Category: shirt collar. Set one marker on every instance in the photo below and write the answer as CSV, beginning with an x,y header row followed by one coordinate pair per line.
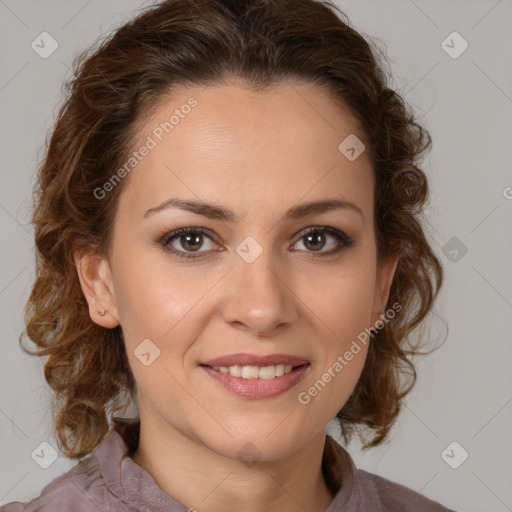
x,y
130,482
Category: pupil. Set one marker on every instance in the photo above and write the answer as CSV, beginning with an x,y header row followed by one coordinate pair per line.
x,y
317,237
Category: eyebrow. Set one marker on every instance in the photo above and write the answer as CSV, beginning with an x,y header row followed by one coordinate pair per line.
x,y
213,211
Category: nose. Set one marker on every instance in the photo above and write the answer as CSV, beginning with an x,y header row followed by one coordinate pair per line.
x,y
258,299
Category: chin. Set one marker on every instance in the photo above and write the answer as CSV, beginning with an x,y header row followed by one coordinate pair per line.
x,y
254,443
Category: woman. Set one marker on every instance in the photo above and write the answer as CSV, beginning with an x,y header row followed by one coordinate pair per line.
x,y
227,210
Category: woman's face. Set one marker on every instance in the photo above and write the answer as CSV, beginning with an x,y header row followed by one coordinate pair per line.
x,y
254,283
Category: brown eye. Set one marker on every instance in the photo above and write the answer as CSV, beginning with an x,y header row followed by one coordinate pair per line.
x,y
191,242
186,241
316,239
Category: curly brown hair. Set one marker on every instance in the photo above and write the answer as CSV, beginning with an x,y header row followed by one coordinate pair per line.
x,y
116,84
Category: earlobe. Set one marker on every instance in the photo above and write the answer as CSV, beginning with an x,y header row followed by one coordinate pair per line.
x,y
95,278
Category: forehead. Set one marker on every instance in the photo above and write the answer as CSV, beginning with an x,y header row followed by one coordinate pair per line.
x,y
248,149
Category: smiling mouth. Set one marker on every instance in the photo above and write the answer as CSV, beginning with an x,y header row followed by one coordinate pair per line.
x,y
255,372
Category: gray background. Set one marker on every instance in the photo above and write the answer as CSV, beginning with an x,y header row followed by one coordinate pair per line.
x,y
464,390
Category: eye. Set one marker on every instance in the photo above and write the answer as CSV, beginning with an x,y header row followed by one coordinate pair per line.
x,y
315,239
190,239
184,242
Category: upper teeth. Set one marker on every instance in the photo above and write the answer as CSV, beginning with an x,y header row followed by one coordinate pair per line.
x,y
255,372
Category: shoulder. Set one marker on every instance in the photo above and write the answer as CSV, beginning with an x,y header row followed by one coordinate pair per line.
x,y
393,496
76,489
83,488
356,489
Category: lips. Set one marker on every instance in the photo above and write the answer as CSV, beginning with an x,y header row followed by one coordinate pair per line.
x,y
257,389
244,359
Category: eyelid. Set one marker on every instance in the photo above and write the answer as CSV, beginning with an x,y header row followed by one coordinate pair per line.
x,y
176,233
345,240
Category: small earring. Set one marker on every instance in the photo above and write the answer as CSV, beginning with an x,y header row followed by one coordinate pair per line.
x,y
102,313
373,333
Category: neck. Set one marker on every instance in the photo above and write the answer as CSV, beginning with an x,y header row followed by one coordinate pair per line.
x,y
201,479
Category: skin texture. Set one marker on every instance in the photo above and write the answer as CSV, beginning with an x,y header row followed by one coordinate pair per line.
x,y
257,154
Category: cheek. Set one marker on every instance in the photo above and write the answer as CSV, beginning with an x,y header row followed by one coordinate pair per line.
x,y
341,308
347,302
329,389
341,298
152,296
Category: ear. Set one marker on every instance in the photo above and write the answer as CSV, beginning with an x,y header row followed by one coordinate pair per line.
x,y
384,278
95,277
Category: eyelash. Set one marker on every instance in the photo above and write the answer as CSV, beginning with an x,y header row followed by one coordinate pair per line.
x,y
340,236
